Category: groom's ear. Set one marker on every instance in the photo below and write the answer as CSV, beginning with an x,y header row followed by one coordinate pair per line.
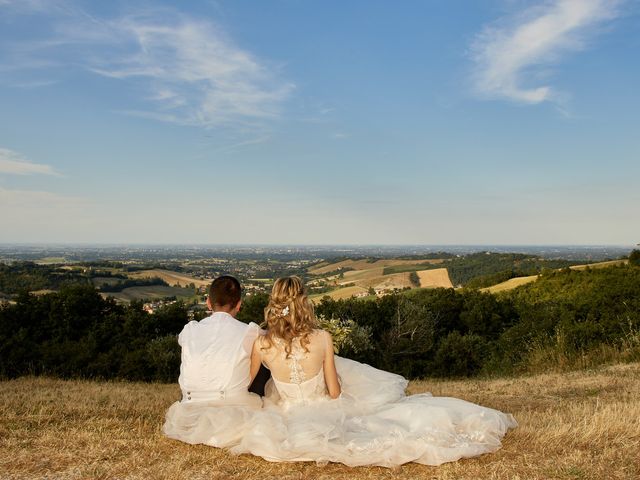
x,y
209,303
238,305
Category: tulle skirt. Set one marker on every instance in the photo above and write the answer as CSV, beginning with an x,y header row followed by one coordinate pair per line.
x,y
218,423
372,423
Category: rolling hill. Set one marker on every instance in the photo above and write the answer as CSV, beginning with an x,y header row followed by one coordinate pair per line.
x,y
519,281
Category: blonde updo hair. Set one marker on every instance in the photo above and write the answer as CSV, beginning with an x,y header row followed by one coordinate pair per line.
x,y
289,314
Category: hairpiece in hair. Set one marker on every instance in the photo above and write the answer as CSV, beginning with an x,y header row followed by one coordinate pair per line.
x,y
285,310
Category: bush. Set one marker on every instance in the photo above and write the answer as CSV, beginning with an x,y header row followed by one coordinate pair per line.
x,y
349,338
460,355
163,354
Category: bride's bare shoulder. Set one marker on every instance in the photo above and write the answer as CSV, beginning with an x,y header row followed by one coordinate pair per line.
x,y
320,336
320,333
261,342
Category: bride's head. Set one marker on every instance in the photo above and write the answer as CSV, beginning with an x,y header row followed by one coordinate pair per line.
x,y
289,313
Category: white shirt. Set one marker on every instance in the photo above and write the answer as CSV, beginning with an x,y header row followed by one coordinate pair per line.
x,y
216,354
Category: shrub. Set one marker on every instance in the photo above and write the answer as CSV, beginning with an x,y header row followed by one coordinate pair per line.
x,y
460,355
163,354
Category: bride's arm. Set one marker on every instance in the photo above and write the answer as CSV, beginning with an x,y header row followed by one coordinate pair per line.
x,y
330,373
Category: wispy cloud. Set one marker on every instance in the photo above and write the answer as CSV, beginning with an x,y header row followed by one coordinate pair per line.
x,y
196,75
340,135
190,71
516,49
15,164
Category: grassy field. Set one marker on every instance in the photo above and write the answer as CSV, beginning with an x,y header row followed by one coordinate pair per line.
x,y
384,274
172,278
579,425
411,267
345,292
151,292
366,264
438,277
510,284
396,280
610,263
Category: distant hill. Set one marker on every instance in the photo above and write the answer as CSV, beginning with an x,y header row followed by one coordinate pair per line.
x,y
487,271
363,277
171,277
519,281
151,292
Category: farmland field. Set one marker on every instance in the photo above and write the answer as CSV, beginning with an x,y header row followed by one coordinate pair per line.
x,y
172,278
438,277
345,292
510,284
352,277
610,263
152,292
366,264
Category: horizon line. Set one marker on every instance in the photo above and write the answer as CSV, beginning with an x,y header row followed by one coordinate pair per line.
x,y
370,245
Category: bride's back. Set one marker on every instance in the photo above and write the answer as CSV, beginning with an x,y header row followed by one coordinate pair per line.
x,y
302,363
299,355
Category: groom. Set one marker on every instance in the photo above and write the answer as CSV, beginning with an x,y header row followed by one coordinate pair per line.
x,y
215,358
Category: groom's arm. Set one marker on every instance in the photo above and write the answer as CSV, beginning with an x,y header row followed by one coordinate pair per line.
x,y
258,373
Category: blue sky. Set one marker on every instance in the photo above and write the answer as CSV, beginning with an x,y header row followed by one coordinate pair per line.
x,y
290,121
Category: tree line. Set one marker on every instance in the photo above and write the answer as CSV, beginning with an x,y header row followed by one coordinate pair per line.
x,y
566,319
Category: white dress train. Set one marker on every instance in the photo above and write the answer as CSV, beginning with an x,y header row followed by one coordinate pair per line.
x,y
371,423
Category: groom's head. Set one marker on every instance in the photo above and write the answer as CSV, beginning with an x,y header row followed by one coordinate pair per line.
x,y
224,295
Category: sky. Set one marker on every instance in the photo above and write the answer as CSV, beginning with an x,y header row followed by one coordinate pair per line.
x,y
297,122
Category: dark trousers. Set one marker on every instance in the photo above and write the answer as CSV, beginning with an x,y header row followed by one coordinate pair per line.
x,y
257,386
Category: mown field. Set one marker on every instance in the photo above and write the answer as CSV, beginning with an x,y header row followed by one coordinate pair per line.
x,y
438,277
171,277
352,277
578,425
151,292
366,264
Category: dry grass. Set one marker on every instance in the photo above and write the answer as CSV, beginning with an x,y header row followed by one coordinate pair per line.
x,y
171,277
580,425
359,276
510,284
388,282
438,277
371,275
609,263
346,292
364,264
150,292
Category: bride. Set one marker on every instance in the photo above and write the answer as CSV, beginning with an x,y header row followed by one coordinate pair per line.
x,y
324,408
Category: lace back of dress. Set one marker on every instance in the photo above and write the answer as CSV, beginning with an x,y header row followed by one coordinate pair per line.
x,y
299,376
293,361
301,365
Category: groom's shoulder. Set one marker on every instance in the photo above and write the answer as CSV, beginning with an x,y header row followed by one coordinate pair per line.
x,y
185,332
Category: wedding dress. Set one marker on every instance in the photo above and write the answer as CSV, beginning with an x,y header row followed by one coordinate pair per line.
x,y
371,423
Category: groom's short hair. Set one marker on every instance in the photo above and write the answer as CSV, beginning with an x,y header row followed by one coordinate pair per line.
x,y
225,290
